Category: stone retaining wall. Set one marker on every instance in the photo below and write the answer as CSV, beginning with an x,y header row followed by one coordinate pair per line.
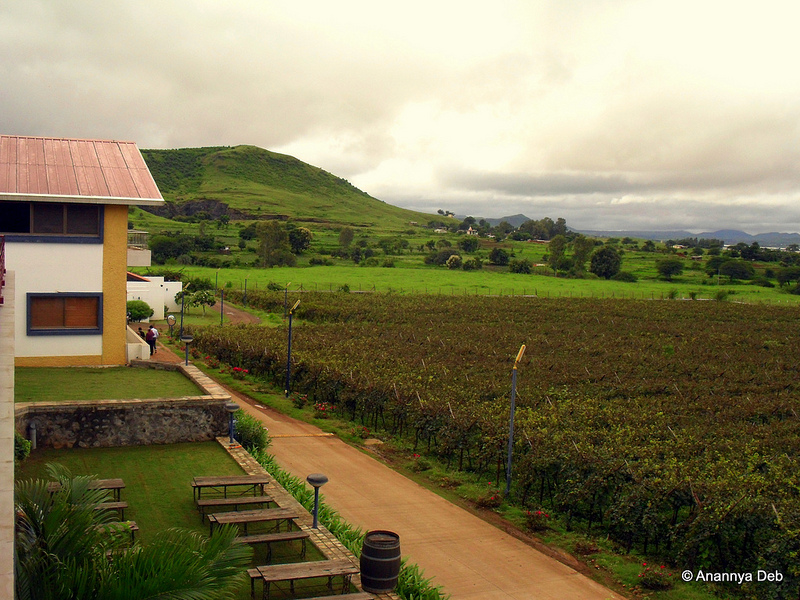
x,y
104,423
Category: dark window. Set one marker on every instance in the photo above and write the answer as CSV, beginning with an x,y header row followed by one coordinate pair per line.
x,y
15,217
64,314
50,219
83,219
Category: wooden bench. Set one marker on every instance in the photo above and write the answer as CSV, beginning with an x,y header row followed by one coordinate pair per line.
x,y
292,572
118,506
249,517
353,596
279,536
115,486
204,503
220,485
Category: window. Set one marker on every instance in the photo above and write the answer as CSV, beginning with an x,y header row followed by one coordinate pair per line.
x,y
65,314
48,219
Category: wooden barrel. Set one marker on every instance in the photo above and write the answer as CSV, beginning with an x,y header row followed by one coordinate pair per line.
x,y
380,561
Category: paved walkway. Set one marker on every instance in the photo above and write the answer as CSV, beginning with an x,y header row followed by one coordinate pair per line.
x,y
468,557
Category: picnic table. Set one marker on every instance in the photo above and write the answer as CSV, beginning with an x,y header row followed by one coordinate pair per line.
x,y
292,572
205,504
220,485
114,485
249,517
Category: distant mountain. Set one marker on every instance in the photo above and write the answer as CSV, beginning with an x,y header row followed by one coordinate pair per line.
x,y
246,182
729,236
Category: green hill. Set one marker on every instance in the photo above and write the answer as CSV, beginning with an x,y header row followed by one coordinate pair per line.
x,y
246,182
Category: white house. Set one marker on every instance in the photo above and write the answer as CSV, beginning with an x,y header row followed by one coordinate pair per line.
x,y
159,294
64,216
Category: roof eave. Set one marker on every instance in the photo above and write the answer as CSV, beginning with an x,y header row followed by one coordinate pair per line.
x,y
11,197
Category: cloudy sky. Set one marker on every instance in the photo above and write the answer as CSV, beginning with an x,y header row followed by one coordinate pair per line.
x,y
613,114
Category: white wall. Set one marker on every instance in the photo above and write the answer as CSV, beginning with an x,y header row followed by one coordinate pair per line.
x,y
157,293
7,440
42,267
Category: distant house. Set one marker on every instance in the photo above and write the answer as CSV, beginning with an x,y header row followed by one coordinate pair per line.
x,y
64,219
472,231
158,294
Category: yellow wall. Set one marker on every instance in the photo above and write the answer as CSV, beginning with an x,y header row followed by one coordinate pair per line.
x,y
58,361
115,257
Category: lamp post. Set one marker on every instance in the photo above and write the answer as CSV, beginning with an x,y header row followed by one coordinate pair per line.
x,y
244,298
231,407
511,420
289,350
316,480
286,298
187,339
183,304
221,306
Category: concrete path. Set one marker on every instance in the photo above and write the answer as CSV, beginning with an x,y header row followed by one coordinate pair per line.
x,y
468,557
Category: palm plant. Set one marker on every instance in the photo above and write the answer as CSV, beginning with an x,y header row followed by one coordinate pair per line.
x,y
67,549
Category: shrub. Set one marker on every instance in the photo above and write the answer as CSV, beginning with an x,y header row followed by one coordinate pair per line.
x,y
655,579
322,410
250,432
625,276
22,448
138,310
523,266
536,520
299,400
454,262
420,464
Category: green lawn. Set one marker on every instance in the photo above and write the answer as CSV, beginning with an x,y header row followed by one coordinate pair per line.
x,y
49,384
157,478
158,487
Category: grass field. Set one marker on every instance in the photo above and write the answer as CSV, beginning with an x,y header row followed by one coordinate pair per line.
x,y
158,486
46,384
486,282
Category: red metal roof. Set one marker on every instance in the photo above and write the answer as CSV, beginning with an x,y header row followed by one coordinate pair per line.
x,y
69,168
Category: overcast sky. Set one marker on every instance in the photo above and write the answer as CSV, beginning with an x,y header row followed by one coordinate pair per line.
x,y
612,114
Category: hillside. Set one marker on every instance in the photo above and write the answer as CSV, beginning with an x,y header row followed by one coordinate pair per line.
x,y
246,182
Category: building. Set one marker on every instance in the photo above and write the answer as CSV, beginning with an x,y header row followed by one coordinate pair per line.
x,y
64,216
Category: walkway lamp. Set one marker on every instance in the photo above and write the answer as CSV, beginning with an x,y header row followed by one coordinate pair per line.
x,y
231,407
511,420
286,298
316,480
289,350
187,339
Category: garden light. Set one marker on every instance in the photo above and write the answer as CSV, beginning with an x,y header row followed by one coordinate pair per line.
x,y
511,420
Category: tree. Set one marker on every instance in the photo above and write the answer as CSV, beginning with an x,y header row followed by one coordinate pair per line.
x,y
469,244
454,262
581,249
273,245
736,269
499,257
66,549
346,236
648,246
669,267
556,249
523,266
300,239
606,262
138,310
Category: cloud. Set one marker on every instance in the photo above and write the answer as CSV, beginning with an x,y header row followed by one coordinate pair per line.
x,y
615,112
